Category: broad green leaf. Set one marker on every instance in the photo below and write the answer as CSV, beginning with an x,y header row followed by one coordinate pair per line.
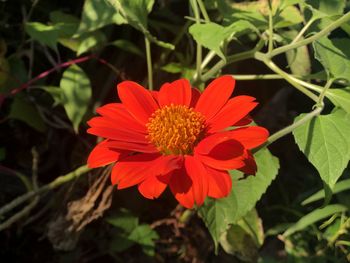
x,y
298,59
325,142
135,13
244,238
218,214
66,24
97,14
45,34
340,97
256,12
145,236
338,187
124,220
77,92
329,7
128,46
56,93
313,217
91,41
334,55
213,36
22,109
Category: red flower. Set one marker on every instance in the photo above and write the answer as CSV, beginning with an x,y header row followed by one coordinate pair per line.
x,y
177,137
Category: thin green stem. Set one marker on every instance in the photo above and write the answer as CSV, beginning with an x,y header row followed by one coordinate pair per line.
x,y
230,59
199,47
149,63
324,90
257,77
264,58
274,137
203,10
270,47
207,59
303,30
50,186
313,38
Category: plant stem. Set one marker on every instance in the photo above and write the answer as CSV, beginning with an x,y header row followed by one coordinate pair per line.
x,y
149,63
303,30
313,38
324,90
270,47
207,59
293,126
264,58
199,47
257,77
203,10
50,186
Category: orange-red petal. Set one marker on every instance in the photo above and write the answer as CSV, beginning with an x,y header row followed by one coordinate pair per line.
x,y
120,116
137,100
215,96
132,146
249,164
181,186
101,155
234,110
195,97
251,136
177,92
107,128
219,181
152,187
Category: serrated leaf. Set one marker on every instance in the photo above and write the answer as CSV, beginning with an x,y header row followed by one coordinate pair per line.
x,y
45,34
76,88
128,46
338,187
325,142
22,109
124,220
218,214
340,98
213,36
313,217
135,13
334,55
56,93
97,14
91,41
145,236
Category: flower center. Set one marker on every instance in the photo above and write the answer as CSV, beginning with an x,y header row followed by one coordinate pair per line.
x,y
175,129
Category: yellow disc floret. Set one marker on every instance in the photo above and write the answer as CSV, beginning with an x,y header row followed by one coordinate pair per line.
x,y
175,129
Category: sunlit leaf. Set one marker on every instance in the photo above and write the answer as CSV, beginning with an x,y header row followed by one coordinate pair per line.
x,y
218,214
325,142
77,91
91,41
314,217
45,34
340,97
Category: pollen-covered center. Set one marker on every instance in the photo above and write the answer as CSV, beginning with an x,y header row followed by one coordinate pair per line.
x,y
175,129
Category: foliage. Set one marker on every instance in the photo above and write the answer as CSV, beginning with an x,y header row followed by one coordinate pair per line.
x,y
60,61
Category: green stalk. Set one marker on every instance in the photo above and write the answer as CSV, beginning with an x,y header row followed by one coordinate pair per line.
x,y
199,47
203,10
313,38
149,63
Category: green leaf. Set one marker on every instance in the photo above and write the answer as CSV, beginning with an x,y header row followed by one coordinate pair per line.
x,y
218,214
340,97
66,24
91,41
213,36
22,109
313,217
325,142
145,236
244,238
135,14
128,46
77,92
124,220
56,93
97,14
338,187
329,7
334,55
45,34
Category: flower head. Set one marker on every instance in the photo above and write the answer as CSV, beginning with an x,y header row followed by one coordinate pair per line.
x,y
177,137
